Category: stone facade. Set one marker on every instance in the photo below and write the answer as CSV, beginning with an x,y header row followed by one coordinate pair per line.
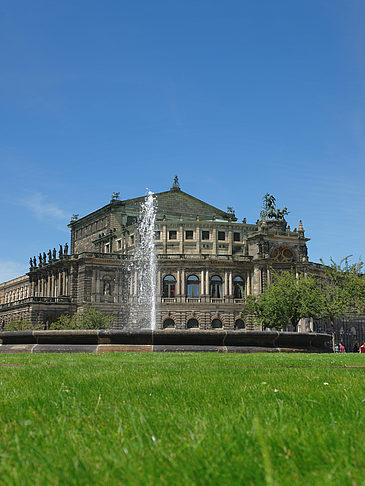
x,y
207,263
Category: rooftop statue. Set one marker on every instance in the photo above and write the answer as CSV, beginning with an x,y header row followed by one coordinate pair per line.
x,y
115,196
176,183
270,211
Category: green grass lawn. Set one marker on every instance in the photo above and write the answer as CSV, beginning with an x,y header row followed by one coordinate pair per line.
x,y
173,419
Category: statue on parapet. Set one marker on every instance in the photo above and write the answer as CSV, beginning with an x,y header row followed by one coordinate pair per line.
x,y
280,213
176,183
65,251
115,196
60,252
44,257
31,263
270,211
34,262
40,259
54,254
49,256
231,211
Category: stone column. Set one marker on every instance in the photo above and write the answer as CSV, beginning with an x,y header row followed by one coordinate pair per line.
x,y
214,241
230,284
207,290
164,238
230,250
158,284
256,281
181,239
202,286
52,292
248,283
183,292
63,283
177,290
225,285
198,238
268,276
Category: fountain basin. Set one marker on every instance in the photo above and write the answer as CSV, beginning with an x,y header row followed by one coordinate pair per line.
x,y
167,340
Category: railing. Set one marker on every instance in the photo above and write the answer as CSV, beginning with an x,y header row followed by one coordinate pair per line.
x,y
35,300
200,300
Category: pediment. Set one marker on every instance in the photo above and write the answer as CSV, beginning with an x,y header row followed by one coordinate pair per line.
x,y
176,203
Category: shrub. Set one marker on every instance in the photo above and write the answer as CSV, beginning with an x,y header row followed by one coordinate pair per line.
x,y
89,318
18,325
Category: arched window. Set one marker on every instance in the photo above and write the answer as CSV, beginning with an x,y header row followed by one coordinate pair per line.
x,y
168,323
192,287
239,324
216,324
168,289
216,287
238,287
192,323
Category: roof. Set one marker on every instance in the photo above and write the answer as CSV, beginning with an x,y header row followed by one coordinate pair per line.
x,y
173,202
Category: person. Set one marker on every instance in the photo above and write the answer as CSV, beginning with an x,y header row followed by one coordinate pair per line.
x,y
362,348
356,348
342,348
337,348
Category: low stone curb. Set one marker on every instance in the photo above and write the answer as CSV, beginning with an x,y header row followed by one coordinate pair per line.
x,y
168,340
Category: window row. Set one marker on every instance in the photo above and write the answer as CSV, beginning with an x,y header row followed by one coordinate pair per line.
x,y
193,287
205,235
194,323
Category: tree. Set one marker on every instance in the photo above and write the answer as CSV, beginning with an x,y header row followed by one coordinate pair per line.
x,y
343,290
285,301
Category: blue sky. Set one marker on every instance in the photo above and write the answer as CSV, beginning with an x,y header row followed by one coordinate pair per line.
x,y
238,98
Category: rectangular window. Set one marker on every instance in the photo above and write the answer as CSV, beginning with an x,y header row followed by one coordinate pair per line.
x,y
172,235
132,239
107,248
157,235
119,244
236,237
189,235
131,220
205,235
221,235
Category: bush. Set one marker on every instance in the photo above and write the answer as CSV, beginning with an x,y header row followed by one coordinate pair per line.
x,y
18,325
90,318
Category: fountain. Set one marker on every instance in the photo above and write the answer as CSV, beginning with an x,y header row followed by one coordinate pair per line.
x,y
144,265
140,333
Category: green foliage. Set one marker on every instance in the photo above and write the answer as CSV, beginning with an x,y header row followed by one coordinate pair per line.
x,y
343,289
285,301
19,325
291,297
90,318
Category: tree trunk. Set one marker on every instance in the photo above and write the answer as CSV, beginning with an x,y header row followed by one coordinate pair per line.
x,y
333,334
